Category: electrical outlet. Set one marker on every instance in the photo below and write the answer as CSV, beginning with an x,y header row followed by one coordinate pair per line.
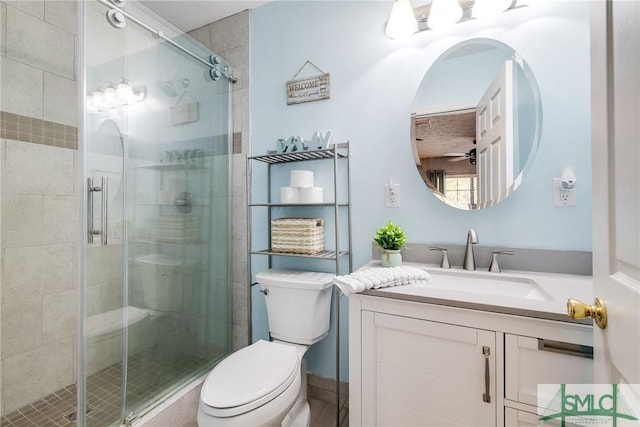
x,y
563,196
392,195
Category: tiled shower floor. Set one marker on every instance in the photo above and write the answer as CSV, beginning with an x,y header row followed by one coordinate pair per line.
x,y
149,372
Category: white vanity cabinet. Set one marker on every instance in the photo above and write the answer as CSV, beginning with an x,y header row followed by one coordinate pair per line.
x,y
419,372
422,363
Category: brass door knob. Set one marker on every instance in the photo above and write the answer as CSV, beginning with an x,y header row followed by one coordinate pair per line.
x,y
579,310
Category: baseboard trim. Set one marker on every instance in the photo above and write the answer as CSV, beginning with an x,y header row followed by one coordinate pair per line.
x,y
324,389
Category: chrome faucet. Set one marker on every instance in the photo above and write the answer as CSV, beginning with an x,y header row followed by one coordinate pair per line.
x,y
469,262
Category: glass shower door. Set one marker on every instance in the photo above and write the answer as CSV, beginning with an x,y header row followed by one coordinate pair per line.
x,y
179,232
157,283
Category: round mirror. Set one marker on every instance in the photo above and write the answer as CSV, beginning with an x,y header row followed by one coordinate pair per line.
x,y
475,123
106,146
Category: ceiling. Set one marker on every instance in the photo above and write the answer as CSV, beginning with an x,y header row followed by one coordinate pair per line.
x,y
191,14
438,134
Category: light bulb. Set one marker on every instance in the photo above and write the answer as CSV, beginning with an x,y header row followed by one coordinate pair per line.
x,y
444,14
139,95
97,99
402,22
487,8
110,96
90,105
125,93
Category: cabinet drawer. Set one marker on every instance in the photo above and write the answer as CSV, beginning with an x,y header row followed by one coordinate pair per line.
x,y
517,418
532,361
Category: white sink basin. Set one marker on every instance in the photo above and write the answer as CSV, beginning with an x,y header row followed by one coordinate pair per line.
x,y
494,284
542,293
480,283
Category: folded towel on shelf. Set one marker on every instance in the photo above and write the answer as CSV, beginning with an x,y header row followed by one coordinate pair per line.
x,y
381,277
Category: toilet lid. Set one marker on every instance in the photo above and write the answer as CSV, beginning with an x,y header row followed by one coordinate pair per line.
x,y
251,377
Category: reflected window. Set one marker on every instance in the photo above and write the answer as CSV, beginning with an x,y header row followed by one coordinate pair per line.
x,y
461,189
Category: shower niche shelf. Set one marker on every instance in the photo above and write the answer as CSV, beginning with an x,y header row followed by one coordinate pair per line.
x,y
171,166
158,242
174,210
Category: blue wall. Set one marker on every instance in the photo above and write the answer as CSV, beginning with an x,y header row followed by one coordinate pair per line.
x,y
373,83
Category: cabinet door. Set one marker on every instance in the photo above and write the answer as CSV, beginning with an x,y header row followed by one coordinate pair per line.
x,y
423,373
532,361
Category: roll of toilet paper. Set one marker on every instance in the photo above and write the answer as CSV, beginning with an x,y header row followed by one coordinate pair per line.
x,y
301,178
289,195
310,195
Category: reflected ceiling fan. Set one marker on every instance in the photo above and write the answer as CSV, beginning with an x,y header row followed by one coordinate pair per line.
x,y
456,157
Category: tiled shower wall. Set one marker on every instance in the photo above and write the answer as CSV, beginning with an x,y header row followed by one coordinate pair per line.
x,y
230,38
38,112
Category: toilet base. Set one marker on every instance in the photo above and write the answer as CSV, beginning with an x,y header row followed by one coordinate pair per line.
x,y
297,414
300,413
303,419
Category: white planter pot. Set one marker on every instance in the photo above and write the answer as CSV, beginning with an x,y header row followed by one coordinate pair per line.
x,y
391,258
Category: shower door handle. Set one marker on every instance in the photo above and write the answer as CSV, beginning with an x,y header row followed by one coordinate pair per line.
x,y
103,188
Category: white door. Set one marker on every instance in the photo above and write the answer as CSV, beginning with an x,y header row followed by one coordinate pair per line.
x,y
494,137
615,39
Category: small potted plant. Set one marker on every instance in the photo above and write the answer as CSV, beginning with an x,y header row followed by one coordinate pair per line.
x,y
391,238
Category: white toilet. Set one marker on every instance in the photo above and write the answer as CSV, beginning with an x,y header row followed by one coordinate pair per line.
x,y
264,384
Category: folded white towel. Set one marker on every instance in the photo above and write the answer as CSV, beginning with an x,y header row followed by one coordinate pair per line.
x,y
381,277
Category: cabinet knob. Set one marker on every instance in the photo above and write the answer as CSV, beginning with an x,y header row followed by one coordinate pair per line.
x,y
579,310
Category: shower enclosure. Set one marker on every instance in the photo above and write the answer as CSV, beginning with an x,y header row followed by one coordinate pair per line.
x,y
155,305
115,230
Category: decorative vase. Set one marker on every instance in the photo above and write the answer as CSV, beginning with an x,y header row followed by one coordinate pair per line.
x,y
391,258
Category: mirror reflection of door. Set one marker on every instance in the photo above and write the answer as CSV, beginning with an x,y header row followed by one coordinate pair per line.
x,y
495,133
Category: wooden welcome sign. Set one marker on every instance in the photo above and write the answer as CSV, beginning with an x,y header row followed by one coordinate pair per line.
x,y
308,89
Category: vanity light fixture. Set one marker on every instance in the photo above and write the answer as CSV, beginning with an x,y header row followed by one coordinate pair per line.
x,y
488,8
125,93
444,14
110,95
114,96
402,22
95,101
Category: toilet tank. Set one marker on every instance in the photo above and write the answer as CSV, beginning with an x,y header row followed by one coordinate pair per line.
x,y
298,304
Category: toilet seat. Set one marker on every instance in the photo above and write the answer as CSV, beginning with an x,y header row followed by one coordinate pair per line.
x,y
249,378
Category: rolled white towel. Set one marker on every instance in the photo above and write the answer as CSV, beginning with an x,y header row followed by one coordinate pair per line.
x,y
348,285
381,277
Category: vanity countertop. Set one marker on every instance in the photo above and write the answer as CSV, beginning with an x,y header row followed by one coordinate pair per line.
x,y
550,294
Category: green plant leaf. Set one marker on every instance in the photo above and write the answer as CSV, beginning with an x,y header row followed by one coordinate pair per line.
x,y
390,237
